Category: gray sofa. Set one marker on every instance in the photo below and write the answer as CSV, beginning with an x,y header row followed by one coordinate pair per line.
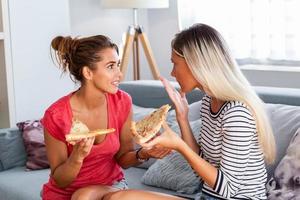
x,y
283,106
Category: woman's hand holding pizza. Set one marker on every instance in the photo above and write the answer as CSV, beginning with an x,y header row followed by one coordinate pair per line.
x,y
157,151
168,139
178,99
82,148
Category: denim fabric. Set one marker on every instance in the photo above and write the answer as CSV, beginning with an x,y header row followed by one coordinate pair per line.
x,y
120,185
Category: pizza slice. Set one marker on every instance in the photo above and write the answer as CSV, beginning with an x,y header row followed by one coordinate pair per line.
x,y
147,128
80,131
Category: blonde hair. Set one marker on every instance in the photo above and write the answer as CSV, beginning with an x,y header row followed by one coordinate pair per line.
x,y
210,62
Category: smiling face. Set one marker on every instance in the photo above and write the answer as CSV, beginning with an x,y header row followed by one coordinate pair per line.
x,y
107,75
182,74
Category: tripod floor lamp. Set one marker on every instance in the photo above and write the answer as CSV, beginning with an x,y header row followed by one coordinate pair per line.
x,y
136,35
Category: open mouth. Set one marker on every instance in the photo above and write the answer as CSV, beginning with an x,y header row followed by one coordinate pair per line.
x,y
116,83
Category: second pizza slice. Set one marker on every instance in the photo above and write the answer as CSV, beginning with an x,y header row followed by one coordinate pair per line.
x,y
147,128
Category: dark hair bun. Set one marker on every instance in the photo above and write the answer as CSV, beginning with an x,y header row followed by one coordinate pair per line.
x,y
56,42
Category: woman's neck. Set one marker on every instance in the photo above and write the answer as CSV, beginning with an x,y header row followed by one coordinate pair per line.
x,y
89,99
216,104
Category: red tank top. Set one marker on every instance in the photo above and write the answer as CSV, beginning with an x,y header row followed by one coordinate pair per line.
x,y
99,167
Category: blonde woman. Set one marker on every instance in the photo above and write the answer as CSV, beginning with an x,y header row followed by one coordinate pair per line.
x,y
236,137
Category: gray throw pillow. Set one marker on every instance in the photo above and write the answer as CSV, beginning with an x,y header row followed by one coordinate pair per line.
x,y
140,112
173,171
12,150
285,184
285,120
194,113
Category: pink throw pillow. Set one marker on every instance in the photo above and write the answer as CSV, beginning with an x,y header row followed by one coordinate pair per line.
x,y
33,137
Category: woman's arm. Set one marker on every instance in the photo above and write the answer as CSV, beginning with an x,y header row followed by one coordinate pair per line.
x,y
170,139
238,133
181,108
204,169
65,169
188,137
126,157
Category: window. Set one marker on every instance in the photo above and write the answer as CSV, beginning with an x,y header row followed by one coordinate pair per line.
x,y
257,31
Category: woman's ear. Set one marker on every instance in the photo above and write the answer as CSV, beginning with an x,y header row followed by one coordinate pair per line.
x,y
87,73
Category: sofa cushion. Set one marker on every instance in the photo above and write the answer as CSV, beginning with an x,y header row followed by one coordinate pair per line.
x,y
33,137
140,112
173,171
285,184
133,177
285,120
12,150
17,184
194,113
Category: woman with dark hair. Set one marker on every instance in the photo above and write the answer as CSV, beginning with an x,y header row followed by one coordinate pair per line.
x,y
91,168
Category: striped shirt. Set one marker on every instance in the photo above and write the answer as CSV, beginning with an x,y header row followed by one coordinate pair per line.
x,y
229,141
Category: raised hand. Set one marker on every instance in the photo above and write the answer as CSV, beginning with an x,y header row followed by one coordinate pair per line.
x,y
168,139
82,148
157,151
178,99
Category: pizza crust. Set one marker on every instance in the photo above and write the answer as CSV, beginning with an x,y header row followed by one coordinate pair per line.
x,y
147,128
80,131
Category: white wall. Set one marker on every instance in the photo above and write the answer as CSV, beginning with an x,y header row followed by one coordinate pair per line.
x,y
163,25
37,82
90,18
160,25
274,76
33,23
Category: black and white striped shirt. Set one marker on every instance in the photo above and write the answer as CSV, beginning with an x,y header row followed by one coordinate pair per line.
x,y
229,141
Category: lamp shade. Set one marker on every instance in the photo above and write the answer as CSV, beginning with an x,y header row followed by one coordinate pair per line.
x,y
135,3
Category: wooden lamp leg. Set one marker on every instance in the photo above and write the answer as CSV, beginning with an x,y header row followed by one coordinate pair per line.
x,y
136,57
148,52
134,34
127,48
